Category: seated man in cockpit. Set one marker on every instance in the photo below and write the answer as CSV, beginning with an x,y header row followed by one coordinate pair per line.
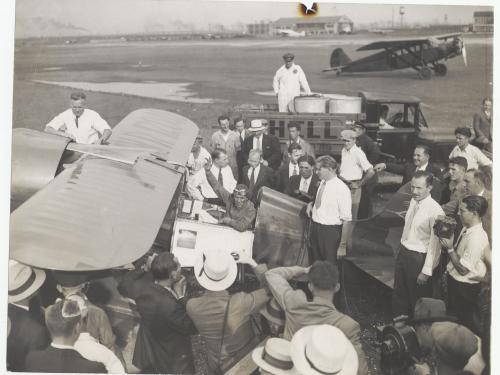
x,y
240,211
383,124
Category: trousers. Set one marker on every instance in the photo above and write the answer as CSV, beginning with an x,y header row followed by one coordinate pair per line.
x,y
348,228
462,302
325,240
406,290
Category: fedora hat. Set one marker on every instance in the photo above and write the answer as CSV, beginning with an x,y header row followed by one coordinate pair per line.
x,y
273,312
23,281
429,310
256,125
215,270
323,349
274,357
454,344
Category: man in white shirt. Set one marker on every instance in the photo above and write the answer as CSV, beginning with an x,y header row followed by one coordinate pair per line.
x,y
81,124
355,171
228,140
287,83
474,156
329,211
221,171
466,260
420,249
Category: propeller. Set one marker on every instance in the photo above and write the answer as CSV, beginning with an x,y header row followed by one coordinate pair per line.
x,y
464,54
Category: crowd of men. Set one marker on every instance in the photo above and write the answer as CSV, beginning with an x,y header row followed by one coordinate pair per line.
x,y
310,335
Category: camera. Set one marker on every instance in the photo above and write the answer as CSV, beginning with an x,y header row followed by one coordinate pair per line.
x,y
444,226
399,346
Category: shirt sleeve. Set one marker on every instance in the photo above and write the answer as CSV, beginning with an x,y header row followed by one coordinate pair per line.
x,y
433,250
363,161
253,302
481,158
277,281
100,124
57,123
345,204
303,81
276,82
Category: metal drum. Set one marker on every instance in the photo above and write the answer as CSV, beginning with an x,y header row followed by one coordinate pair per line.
x,y
344,104
310,104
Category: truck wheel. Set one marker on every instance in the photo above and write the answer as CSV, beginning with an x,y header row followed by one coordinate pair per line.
x,y
425,73
440,69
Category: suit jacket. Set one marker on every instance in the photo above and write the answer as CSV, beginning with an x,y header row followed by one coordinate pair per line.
x,y
294,185
266,177
300,312
240,154
163,342
26,334
306,147
61,360
282,178
271,150
408,171
369,147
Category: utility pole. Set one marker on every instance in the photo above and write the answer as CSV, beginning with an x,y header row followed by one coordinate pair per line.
x,y
392,7
401,13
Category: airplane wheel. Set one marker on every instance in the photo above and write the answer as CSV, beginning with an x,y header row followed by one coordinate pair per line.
x,y
440,69
337,72
425,73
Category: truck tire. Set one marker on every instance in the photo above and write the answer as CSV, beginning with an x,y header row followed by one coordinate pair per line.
x,y
440,69
425,73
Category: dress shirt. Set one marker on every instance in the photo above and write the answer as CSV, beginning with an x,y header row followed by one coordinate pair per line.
x,y
418,234
474,156
255,174
422,168
228,180
291,168
257,142
354,163
305,183
90,124
299,312
194,164
335,203
470,250
90,349
21,306
199,188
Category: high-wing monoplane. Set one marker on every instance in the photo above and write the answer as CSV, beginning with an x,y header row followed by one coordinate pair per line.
x,y
424,54
105,209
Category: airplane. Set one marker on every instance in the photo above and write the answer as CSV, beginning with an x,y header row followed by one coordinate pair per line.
x,y
289,33
380,31
422,54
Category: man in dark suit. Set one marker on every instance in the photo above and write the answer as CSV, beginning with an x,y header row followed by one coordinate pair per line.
x,y
269,144
256,175
163,342
290,168
421,162
305,185
26,332
63,320
239,128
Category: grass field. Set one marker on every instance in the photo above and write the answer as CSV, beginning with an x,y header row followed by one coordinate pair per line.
x,y
233,71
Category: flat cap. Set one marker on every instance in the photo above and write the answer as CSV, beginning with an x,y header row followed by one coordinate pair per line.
x,y
288,56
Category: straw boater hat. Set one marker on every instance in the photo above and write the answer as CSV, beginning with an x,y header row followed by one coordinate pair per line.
x,y
256,125
273,312
215,270
274,357
323,349
23,281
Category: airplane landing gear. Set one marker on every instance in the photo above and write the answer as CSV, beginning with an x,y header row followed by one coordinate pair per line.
x,y
440,69
425,73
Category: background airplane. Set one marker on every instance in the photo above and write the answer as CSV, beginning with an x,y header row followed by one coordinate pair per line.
x,y
422,54
289,33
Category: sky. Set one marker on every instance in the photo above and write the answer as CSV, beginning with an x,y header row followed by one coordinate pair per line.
x,y
130,16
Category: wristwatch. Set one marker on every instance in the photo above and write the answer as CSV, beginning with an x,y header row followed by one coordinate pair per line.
x,y
451,250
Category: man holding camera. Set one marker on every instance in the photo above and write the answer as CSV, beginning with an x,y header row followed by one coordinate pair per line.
x,y
419,251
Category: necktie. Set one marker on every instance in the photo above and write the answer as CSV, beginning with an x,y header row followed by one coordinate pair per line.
x,y
242,139
459,239
295,170
220,177
320,194
252,182
409,222
76,121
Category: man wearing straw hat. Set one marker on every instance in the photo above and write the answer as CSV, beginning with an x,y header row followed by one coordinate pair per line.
x,y
26,333
274,357
323,349
268,144
287,83
222,319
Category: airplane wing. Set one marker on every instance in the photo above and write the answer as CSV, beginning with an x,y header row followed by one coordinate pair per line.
x,y
393,44
102,213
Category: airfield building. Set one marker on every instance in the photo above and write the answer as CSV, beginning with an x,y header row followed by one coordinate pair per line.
x,y
316,25
260,28
483,22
